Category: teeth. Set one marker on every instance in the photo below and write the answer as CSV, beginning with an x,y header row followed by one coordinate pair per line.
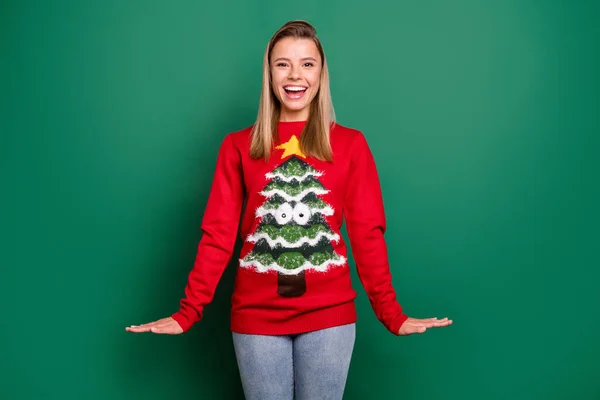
x,y
295,88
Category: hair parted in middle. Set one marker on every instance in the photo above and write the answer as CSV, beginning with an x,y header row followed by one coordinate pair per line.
x,y
314,140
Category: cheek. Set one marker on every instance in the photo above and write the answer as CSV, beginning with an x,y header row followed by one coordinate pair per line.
x,y
276,85
315,80
274,82
314,84
277,78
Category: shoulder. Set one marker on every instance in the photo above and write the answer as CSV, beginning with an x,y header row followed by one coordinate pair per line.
x,y
237,140
348,138
240,137
339,129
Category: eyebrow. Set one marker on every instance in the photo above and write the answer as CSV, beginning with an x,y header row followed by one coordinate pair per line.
x,y
302,59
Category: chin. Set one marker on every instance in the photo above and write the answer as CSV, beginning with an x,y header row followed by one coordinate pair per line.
x,y
295,107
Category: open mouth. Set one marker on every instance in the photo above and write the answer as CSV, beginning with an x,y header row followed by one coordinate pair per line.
x,y
295,92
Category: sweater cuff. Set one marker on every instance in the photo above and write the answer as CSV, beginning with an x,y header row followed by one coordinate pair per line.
x,y
183,322
397,324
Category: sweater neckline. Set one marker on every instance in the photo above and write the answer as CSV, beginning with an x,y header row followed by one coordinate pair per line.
x,y
286,129
286,124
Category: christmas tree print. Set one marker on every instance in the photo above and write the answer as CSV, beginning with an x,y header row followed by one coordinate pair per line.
x,y
293,235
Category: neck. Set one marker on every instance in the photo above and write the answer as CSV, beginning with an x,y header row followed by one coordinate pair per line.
x,y
293,116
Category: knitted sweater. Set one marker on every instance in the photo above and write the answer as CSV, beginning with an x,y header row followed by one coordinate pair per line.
x,y
293,273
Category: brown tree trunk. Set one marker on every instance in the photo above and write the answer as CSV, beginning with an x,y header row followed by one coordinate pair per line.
x,y
291,285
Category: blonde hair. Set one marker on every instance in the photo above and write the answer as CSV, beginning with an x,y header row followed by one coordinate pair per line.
x,y
314,140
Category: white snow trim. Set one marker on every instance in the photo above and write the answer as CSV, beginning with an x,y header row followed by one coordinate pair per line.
x,y
261,211
271,175
274,242
307,265
299,197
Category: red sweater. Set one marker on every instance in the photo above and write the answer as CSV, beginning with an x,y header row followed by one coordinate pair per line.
x,y
293,273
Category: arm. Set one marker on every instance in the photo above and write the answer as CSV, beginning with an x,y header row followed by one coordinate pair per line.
x,y
219,227
366,225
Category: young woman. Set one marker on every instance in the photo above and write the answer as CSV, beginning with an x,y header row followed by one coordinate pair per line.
x,y
293,314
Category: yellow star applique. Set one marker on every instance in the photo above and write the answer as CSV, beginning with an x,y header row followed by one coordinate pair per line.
x,y
291,147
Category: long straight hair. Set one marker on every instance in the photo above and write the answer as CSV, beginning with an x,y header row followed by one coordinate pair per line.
x,y
314,140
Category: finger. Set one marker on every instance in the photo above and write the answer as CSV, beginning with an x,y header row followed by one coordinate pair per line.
x,y
138,329
148,326
436,320
414,325
425,323
159,321
442,324
143,326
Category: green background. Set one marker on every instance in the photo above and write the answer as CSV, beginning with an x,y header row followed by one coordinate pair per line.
x,y
483,119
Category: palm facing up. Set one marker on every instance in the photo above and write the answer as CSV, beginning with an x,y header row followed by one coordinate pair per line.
x,y
166,326
169,326
414,325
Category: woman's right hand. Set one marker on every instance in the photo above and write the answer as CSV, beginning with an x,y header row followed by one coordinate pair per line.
x,y
166,326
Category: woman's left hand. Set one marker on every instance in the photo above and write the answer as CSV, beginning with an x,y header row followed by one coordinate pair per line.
x,y
414,325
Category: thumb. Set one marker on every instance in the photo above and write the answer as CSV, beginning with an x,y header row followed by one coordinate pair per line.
x,y
173,329
416,329
409,329
159,329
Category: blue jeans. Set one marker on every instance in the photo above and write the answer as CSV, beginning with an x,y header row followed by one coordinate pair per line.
x,y
313,365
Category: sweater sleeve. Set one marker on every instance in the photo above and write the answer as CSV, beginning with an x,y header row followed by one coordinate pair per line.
x,y
366,225
219,231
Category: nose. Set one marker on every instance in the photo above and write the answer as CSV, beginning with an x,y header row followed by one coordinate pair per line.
x,y
294,73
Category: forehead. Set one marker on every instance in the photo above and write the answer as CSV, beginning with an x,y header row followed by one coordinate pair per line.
x,y
294,48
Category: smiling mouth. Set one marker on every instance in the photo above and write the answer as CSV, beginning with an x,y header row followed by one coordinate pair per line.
x,y
295,92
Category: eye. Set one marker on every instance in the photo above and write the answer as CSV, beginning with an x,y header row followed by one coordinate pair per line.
x,y
281,64
301,214
309,64
284,214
